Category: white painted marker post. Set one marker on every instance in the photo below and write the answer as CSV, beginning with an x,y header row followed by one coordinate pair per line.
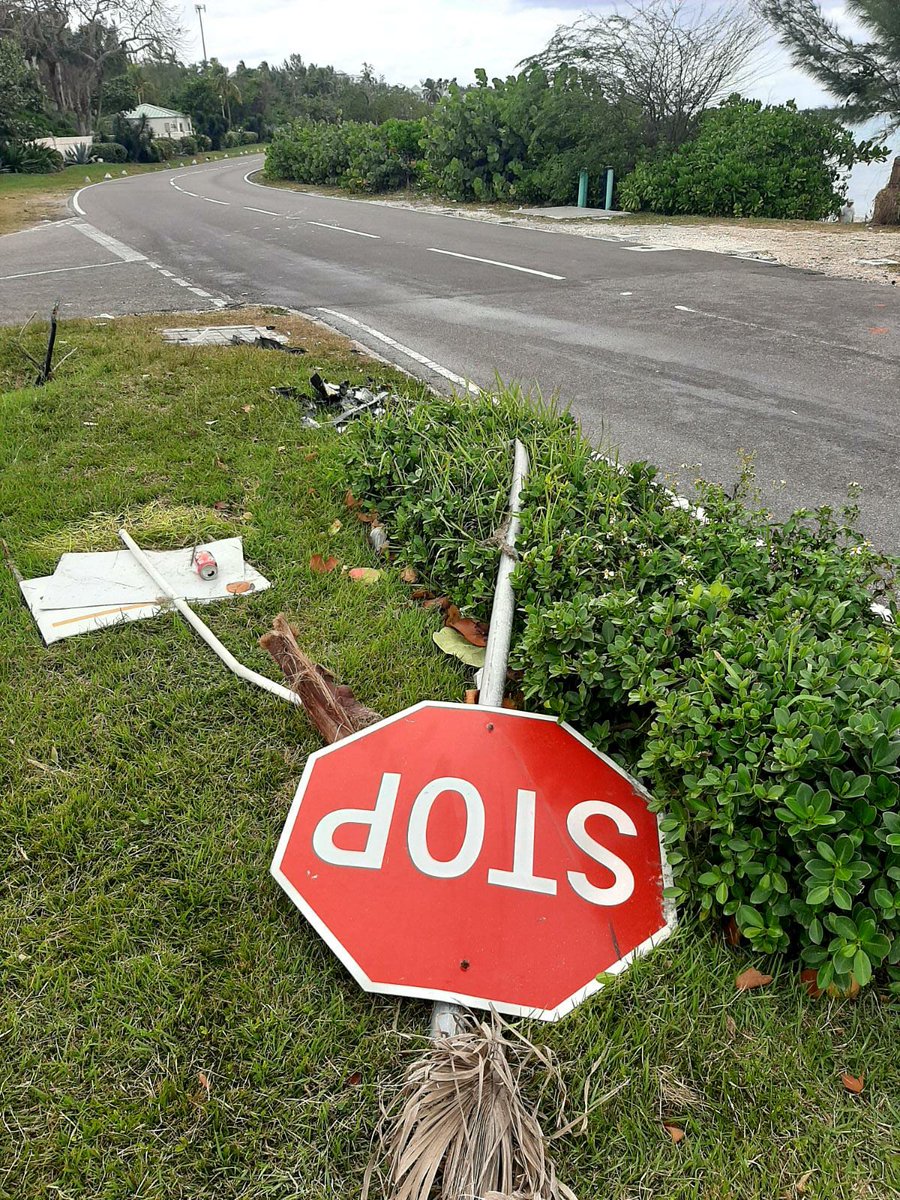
x,y
448,1019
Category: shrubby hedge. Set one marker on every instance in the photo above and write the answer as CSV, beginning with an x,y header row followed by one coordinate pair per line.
x,y
368,158
752,161
110,152
734,664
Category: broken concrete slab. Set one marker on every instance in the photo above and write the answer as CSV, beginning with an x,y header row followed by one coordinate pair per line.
x,y
223,335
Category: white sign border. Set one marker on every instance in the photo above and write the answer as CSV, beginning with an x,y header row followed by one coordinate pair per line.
x,y
387,989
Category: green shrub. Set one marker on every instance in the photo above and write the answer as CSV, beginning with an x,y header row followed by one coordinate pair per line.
x,y
363,157
204,143
248,137
231,139
165,148
187,145
110,152
748,160
733,663
29,158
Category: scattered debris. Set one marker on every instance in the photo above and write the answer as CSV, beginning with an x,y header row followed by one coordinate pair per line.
x,y
675,1132
364,575
378,538
228,335
335,527
94,590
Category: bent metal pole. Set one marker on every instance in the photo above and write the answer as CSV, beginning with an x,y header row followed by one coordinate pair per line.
x,y
203,630
446,1019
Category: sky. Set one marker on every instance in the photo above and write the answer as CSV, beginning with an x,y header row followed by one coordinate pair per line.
x,y
409,40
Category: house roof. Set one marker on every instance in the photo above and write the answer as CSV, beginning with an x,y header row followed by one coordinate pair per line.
x,y
149,111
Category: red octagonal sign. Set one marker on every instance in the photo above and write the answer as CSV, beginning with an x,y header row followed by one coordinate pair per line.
x,y
477,855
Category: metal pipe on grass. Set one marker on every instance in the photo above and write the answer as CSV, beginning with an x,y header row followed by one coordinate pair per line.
x,y
447,1019
203,630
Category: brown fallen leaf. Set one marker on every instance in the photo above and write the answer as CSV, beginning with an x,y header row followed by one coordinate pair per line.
x,y
473,631
204,1081
421,594
367,518
847,993
409,575
809,977
221,505
441,603
730,1025
675,1132
853,1083
247,408
322,565
240,587
335,527
354,1079
364,575
451,614
750,979
350,500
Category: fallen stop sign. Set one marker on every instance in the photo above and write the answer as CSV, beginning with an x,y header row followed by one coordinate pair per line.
x,y
476,855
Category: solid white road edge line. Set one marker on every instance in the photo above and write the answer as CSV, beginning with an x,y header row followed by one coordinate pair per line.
x,y
413,354
116,262
492,262
342,229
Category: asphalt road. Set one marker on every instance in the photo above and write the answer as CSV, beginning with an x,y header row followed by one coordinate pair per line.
x,y
685,358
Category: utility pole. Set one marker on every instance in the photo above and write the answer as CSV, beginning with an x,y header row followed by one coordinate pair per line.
x,y
201,9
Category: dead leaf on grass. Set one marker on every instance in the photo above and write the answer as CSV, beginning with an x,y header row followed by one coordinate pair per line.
x,y
247,408
409,575
350,500
221,505
853,1083
732,932
364,574
750,979
800,1185
473,631
321,565
809,977
453,643
335,527
354,1079
442,603
675,1132
204,1081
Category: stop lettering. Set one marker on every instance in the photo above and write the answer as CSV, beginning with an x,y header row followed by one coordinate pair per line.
x,y
476,855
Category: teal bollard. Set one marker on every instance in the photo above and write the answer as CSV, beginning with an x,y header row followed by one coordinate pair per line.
x,y
610,176
582,188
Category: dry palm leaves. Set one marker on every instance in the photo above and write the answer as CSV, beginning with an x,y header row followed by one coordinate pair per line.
x,y
332,707
461,1124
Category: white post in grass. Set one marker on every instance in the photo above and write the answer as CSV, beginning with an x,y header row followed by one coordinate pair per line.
x,y
446,1018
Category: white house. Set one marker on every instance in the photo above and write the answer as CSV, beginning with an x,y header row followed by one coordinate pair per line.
x,y
161,122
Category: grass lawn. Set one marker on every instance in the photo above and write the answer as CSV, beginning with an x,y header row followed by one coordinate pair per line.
x,y
146,953
27,199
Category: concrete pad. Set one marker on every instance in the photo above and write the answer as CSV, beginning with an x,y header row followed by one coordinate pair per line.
x,y
571,212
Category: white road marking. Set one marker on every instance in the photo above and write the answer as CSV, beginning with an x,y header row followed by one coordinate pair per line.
x,y
647,249
342,229
492,262
684,308
116,262
209,200
413,354
109,243
267,212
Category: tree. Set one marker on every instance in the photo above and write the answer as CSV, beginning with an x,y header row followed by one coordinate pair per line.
x,y
672,57
80,44
865,75
21,97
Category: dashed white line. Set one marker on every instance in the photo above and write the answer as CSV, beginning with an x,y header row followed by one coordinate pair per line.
x,y
413,354
788,333
267,212
647,249
116,262
492,262
343,229
209,200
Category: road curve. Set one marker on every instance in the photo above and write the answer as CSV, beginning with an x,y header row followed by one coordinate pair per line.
x,y
682,357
